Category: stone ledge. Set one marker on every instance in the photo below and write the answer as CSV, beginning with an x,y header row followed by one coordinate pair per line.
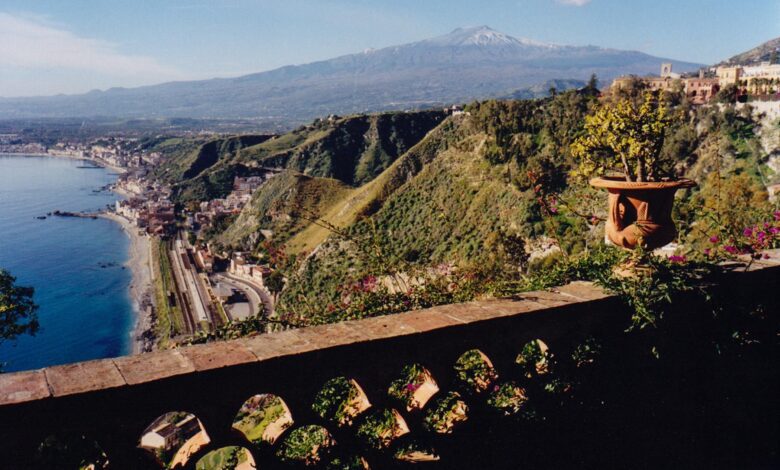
x,y
82,377
143,368
78,378
217,355
23,386
90,376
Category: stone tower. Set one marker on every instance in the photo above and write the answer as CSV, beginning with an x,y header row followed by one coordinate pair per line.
x,y
666,70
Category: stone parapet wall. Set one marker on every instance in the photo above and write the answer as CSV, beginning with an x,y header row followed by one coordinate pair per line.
x,y
113,400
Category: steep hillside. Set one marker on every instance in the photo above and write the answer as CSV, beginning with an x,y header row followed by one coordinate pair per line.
x,y
352,150
189,164
471,190
466,64
283,207
454,198
758,54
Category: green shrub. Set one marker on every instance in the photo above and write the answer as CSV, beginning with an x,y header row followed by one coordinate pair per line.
x,y
474,371
332,401
307,445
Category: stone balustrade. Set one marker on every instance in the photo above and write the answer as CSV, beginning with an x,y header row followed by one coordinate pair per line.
x,y
112,402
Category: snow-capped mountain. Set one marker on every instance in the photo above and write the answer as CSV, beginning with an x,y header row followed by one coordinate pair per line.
x,y
465,64
481,36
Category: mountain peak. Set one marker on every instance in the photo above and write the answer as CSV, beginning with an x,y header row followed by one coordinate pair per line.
x,y
480,36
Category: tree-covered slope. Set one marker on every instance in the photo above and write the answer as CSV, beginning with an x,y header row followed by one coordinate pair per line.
x,y
502,177
283,207
353,150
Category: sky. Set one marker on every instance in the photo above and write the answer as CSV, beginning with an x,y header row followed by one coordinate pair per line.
x,y
49,47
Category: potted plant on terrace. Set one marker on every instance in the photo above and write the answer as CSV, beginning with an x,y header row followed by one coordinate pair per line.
x,y
622,147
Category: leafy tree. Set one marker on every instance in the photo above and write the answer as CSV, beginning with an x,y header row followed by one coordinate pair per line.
x,y
274,282
17,309
727,94
627,137
593,84
730,204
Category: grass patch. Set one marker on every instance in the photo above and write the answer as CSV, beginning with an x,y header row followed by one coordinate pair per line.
x,y
170,320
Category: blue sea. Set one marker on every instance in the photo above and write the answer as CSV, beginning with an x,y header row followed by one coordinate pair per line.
x,y
75,265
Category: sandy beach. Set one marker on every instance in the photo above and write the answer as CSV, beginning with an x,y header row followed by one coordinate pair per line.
x,y
138,262
141,284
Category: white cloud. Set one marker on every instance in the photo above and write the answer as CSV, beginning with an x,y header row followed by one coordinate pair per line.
x,y
576,3
28,42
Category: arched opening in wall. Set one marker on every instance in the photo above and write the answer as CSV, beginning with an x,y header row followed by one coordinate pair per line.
x,y
381,428
262,419
173,438
70,450
414,387
306,446
475,371
340,401
535,358
227,458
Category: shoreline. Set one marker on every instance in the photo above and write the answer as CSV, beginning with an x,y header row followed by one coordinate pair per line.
x,y
141,288
96,161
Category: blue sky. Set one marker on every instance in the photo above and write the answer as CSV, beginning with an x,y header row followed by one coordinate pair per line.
x,y
72,46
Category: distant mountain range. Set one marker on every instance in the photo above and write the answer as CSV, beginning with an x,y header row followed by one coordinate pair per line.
x,y
466,64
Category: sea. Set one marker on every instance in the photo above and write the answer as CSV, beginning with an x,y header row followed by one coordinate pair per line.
x,y
75,265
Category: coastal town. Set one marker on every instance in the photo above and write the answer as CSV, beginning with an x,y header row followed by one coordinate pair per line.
x,y
196,287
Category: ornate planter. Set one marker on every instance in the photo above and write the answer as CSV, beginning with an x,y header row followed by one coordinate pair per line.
x,y
641,211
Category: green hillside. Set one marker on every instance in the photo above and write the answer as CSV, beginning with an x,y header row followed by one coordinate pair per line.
x,y
283,206
385,195
353,150
450,199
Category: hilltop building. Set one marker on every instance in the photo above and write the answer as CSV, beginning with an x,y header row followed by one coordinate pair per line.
x,y
755,80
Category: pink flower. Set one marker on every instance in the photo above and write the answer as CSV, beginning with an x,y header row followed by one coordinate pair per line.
x,y
747,232
730,249
777,215
411,387
677,259
707,251
714,239
369,283
766,256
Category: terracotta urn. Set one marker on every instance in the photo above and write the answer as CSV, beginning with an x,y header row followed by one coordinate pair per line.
x,y
640,211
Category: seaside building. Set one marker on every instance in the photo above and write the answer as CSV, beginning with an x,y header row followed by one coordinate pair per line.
x,y
157,217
